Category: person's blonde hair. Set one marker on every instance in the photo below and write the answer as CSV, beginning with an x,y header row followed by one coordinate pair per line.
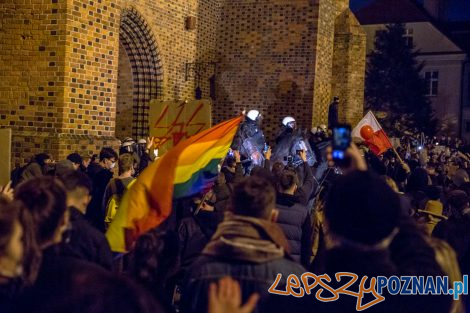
x,y
126,162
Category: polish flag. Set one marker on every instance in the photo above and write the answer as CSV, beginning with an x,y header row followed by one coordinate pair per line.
x,y
371,133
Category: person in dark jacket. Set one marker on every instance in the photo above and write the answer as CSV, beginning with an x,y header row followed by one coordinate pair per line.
x,y
369,236
250,140
83,240
397,171
333,113
222,191
153,263
197,230
233,170
95,213
287,130
294,218
68,284
36,168
456,230
11,254
76,159
247,247
305,187
418,184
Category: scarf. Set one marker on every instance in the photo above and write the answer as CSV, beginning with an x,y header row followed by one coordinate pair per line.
x,y
249,239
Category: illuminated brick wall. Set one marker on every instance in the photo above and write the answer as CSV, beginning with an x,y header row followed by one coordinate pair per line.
x,y
59,62
75,74
349,61
277,56
267,58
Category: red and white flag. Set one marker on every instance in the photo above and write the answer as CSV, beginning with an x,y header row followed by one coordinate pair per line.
x,y
370,131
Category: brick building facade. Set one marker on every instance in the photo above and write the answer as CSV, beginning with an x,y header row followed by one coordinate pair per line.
x,y
76,74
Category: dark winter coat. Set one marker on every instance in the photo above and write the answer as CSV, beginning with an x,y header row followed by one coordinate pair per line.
x,y
70,285
86,242
194,233
304,193
407,255
95,213
378,266
9,293
295,222
456,231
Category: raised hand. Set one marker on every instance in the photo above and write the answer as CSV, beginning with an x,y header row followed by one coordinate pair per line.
x,y
227,298
7,191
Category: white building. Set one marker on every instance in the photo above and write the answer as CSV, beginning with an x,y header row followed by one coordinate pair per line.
x,y
446,66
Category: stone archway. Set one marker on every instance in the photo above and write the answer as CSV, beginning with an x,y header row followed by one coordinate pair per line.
x,y
140,77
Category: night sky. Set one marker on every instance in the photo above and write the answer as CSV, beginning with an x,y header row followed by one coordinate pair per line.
x,y
459,10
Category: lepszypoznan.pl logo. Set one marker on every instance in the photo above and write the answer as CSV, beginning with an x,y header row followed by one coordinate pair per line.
x,y
404,285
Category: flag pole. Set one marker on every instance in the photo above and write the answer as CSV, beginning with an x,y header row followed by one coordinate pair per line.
x,y
398,156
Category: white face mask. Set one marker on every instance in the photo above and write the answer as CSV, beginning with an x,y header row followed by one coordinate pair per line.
x,y
112,165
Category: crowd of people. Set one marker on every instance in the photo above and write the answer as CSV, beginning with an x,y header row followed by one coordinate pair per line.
x,y
272,211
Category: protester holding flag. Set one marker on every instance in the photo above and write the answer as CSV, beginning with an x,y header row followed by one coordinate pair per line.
x,y
185,170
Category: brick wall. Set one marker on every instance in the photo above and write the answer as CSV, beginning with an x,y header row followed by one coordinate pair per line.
x,y
125,93
176,46
56,63
62,62
267,54
91,67
277,56
59,66
323,61
32,57
349,67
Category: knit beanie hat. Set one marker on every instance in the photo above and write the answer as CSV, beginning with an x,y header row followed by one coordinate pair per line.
x,y
361,207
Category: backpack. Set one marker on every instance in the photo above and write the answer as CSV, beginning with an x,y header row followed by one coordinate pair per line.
x,y
118,189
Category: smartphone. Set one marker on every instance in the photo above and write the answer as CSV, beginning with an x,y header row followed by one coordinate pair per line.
x,y
341,142
266,148
289,159
230,153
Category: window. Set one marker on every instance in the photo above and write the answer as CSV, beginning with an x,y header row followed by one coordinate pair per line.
x,y
431,79
408,36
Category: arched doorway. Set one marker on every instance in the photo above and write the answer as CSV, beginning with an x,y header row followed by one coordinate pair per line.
x,y
140,75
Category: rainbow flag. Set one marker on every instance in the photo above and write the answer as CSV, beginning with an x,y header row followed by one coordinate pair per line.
x,y
184,170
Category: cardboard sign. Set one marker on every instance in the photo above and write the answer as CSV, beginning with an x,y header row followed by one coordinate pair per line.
x,y
172,121
5,155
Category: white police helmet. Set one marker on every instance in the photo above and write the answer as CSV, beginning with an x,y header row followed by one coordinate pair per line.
x,y
288,119
127,145
253,115
127,140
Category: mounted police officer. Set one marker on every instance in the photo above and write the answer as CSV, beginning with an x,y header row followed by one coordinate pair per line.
x,y
250,140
